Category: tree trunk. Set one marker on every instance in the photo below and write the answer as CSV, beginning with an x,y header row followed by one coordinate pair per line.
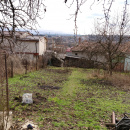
x,y
110,68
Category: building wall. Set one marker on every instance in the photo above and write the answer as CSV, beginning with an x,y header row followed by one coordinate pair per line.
x,y
78,62
127,63
27,50
28,57
42,45
7,43
99,58
27,47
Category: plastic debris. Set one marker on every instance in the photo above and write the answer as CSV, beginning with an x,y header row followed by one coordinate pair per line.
x,y
27,98
29,126
124,123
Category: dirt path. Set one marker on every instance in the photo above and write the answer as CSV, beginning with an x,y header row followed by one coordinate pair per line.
x,y
71,86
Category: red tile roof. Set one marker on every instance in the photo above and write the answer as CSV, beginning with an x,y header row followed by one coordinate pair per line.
x,y
89,46
93,46
68,50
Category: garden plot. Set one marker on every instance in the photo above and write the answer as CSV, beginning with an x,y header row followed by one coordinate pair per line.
x,y
67,99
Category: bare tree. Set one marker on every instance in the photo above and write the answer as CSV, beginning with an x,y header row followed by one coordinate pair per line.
x,y
106,4
110,36
16,15
23,14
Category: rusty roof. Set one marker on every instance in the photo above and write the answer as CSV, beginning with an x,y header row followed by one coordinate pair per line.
x,y
89,46
93,46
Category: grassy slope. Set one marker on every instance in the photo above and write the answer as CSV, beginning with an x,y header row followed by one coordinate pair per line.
x,y
78,105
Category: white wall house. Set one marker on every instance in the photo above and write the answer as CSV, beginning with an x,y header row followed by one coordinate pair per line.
x,y
24,44
31,46
42,45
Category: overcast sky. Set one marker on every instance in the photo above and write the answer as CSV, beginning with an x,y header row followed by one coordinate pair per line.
x,y
57,16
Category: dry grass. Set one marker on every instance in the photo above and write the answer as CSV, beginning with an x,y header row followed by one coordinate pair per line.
x,y
121,80
18,68
19,65
97,73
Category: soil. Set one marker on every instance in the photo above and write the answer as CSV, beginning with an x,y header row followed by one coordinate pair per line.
x,y
65,71
18,98
106,83
21,78
100,82
49,87
39,98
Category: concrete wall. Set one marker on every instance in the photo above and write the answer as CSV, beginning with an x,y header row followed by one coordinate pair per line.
x,y
27,47
78,62
127,63
30,46
99,58
29,57
42,45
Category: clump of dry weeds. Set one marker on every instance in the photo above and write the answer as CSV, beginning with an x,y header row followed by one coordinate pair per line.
x,y
99,74
18,68
120,80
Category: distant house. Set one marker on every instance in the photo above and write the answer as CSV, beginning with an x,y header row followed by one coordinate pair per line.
x,y
77,56
89,52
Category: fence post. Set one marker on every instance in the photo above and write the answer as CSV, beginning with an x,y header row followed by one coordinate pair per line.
x,y
42,61
36,62
7,89
26,67
12,68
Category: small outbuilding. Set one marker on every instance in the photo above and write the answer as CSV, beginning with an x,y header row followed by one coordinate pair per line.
x,y
31,46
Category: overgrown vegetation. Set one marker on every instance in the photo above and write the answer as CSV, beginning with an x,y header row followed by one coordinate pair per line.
x,y
68,98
